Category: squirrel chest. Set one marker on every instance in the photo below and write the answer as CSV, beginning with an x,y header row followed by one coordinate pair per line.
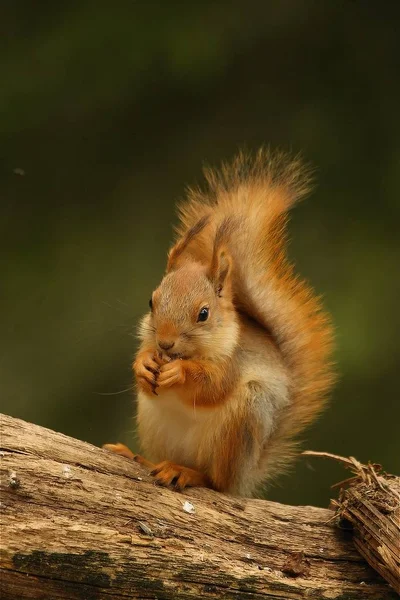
x,y
186,434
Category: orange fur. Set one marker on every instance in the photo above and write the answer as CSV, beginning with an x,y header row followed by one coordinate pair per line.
x,y
237,387
168,472
269,185
123,450
146,368
199,382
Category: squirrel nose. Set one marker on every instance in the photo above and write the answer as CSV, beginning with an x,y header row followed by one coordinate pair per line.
x,y
166,345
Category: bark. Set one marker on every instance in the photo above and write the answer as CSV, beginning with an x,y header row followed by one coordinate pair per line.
x,y
370,503
80,523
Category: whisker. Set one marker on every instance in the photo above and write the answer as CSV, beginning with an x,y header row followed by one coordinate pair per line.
x,y
192,333
123,303
117,308
139,334
129,389
191,330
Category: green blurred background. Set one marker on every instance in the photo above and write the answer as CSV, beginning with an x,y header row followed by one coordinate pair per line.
x,y
109,109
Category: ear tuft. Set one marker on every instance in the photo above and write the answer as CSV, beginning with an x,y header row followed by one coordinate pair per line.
x,y
220,271
176,252
221,263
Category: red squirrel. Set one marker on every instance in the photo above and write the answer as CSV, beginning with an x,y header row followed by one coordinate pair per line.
x,y
235,354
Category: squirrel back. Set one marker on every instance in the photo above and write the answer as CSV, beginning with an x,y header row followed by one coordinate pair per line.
x,y
245,209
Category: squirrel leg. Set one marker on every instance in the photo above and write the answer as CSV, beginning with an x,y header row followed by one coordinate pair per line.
x,y
123,450
235,460
167,473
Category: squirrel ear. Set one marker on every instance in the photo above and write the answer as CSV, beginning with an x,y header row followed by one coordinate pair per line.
x,y
220,269
176,253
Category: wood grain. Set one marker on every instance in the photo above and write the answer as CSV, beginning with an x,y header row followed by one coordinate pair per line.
x,y
80,523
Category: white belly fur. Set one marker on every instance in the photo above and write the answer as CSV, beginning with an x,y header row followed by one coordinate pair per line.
x,y
190,436
170,430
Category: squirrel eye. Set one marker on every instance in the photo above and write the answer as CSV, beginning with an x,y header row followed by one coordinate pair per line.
x,y
203,314
151,303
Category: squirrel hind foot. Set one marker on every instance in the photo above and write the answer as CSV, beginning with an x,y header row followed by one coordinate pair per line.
x,y
168,473
123,450
120,449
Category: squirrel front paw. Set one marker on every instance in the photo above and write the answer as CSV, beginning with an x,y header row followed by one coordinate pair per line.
x,y
146,370
171,373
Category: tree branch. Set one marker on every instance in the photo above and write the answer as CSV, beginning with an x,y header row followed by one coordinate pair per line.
x,y
81,523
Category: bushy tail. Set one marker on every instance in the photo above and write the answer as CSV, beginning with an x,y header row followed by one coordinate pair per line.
x,y
254,195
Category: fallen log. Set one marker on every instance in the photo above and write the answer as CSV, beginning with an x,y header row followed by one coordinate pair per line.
x,y
80,523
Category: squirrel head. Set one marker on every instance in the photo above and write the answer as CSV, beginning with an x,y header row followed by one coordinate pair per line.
x,y
192,312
